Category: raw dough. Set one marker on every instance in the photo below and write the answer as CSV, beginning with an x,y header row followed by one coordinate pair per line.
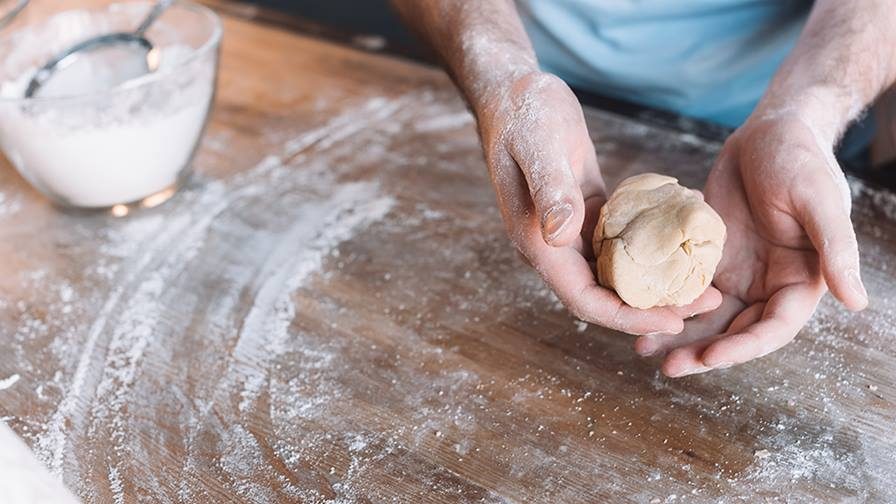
x,y
657,243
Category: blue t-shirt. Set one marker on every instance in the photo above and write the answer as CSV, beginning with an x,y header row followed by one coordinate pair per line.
x,y
710,59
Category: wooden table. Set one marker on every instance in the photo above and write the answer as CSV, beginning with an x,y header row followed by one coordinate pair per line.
x,y
330,312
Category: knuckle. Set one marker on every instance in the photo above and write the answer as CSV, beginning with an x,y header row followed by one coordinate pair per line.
x,y
546,191
616,318
580,308
535,82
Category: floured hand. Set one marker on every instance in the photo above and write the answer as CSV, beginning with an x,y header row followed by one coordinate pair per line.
x,y
785,202
545,172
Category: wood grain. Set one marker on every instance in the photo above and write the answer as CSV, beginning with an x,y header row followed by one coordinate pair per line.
x,y
330,312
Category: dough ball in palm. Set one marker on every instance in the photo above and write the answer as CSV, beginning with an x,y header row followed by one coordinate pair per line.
x,y
657,243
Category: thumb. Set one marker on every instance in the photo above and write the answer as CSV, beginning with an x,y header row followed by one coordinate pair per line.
x,y
830,230
555,193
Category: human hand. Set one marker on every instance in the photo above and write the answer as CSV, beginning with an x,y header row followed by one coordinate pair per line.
x,y
786,203
549,188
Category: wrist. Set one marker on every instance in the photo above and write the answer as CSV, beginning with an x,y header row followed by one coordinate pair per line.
x,y
825,110
490,88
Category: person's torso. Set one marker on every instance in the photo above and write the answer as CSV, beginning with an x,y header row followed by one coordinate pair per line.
x,y
710,59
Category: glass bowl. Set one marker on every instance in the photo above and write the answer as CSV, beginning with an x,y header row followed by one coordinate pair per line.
x,y
134,143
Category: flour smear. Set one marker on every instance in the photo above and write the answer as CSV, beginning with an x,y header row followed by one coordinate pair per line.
x,y
143,255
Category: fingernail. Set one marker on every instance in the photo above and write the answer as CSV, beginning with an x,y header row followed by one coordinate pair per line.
x,y
649,345
555,220
855,283
722,365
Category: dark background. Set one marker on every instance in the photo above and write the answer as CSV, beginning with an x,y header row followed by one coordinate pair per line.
x,y
350,16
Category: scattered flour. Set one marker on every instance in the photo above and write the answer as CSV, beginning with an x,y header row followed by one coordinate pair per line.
x,y
441,123
9,382
151,252
9,205
115,486
322,227
277,406
883,201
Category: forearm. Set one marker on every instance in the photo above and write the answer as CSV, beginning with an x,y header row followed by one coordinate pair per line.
x,y
844,59
482,42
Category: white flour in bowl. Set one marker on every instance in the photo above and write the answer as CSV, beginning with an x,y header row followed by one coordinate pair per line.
x,y
97,153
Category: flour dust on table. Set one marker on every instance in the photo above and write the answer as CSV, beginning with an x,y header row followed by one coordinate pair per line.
x,y
330,312
146,253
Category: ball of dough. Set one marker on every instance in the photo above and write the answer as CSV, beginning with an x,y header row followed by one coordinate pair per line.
x,y
657,243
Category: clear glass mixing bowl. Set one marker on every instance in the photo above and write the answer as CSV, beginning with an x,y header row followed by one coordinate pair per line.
x,y
129,144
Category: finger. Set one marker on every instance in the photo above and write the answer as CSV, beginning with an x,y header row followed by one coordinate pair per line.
x,y
695,329
686,360
698,332
593,204
708,301
831,232
578,244
784,315
570,277
556,194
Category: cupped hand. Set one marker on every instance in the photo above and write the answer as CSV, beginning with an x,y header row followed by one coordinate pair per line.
x,y
549,188
786,203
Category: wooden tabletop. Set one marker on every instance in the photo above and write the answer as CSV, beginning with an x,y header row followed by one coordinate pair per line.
x,y
330,312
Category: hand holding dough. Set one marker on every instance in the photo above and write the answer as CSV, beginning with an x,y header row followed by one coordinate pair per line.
x,y
657,243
